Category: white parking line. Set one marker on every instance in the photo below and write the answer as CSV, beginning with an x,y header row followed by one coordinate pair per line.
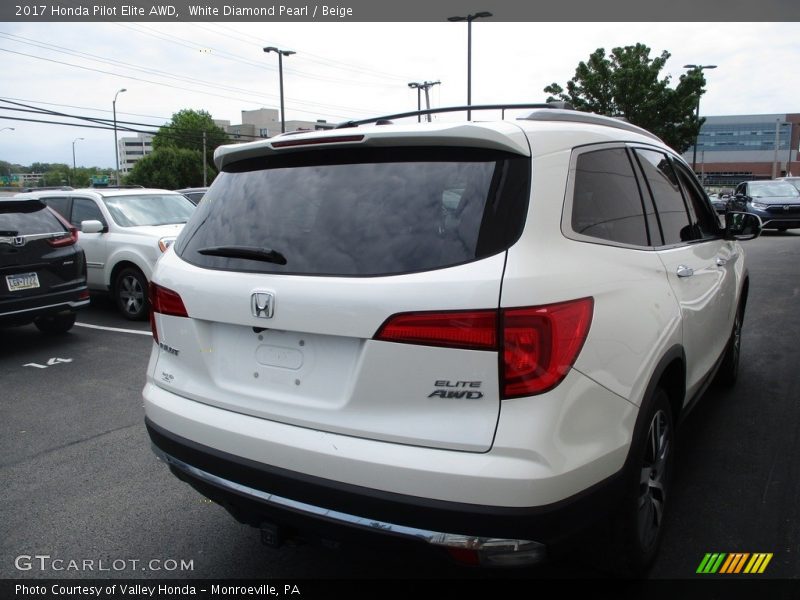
x,y
136,331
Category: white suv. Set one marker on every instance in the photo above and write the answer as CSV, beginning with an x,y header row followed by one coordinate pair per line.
x,y
123,233
477,336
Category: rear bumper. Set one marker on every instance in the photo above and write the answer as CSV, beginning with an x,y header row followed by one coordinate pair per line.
x,y
336,487
25,310
257,494
280,515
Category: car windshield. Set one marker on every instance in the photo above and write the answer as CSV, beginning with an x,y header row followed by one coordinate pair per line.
x,y
772,189
149,209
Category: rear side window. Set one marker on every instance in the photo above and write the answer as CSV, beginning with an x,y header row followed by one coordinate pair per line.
x,y
666,192
359,212
606,200
27,217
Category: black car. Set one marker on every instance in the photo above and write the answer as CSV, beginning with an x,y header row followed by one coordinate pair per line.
x,y
776,202
194,194
42,269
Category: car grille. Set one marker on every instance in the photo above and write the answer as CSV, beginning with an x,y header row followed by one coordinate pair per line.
x,y
781,209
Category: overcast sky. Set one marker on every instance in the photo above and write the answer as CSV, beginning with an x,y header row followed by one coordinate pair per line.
x,y
344,70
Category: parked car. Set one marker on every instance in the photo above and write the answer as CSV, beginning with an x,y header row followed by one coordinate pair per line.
x,y
42,269
194,194
777,203
123,232
719,202
476,337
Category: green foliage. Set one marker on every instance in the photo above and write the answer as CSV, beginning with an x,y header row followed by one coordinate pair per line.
x,y
55,174
170,168
626,83
185,131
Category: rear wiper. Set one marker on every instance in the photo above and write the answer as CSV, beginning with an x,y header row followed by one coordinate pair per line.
x,y
248,252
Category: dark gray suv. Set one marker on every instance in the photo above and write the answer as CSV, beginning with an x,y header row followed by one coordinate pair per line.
x,y
42,269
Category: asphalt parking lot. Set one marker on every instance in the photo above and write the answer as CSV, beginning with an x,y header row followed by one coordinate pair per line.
x,y
79,481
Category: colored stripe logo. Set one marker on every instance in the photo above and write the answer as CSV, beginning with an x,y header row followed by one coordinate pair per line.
x,y
734,563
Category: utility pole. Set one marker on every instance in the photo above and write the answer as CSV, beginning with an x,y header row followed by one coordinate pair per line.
x,y
204,160
424,86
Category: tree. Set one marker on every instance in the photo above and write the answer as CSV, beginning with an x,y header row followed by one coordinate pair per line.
x,y
627,84
169,168
185,131
55,174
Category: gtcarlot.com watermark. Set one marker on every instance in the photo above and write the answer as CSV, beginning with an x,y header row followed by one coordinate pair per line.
x,y
47,563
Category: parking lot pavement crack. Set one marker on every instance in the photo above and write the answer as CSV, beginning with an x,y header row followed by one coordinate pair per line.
x,y
68,445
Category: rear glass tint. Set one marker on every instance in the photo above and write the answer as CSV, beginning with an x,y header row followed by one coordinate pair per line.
x,y
27,217
362,212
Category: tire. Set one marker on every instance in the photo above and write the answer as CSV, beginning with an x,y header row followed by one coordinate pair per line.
x,y
641,521
56,324
729,368
130,294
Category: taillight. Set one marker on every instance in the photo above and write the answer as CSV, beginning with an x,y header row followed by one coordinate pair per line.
x,y
166,302
67,240
540,345
470,330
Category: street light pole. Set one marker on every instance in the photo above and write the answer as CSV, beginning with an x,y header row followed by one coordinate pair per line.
x,y
469,19
417,86
697,110
116,144
74,168
281,54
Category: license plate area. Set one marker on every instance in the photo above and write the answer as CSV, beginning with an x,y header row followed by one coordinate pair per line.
x,y
22,281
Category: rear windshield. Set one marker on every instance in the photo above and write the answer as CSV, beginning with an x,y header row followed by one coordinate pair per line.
x,y
363,212
27,217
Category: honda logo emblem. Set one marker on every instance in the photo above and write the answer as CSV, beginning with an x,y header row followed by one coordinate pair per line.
x,y
19,241
262,304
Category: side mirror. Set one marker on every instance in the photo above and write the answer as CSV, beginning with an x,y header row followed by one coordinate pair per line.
x,y
742,226
92,226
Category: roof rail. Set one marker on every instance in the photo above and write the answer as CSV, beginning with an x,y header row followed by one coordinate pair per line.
x,y
43,188
576,116
386,119
130,186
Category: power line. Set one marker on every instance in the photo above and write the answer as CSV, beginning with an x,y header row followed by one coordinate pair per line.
x,y
90,108
163,130
194,46
182,88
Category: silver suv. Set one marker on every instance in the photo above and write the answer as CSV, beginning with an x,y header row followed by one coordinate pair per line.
x,y
123,233
476,336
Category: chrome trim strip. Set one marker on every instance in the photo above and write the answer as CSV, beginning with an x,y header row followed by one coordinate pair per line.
x,y
65,304
428,536
526,551
31,237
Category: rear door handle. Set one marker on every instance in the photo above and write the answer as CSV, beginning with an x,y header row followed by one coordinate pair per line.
x,y
685,271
